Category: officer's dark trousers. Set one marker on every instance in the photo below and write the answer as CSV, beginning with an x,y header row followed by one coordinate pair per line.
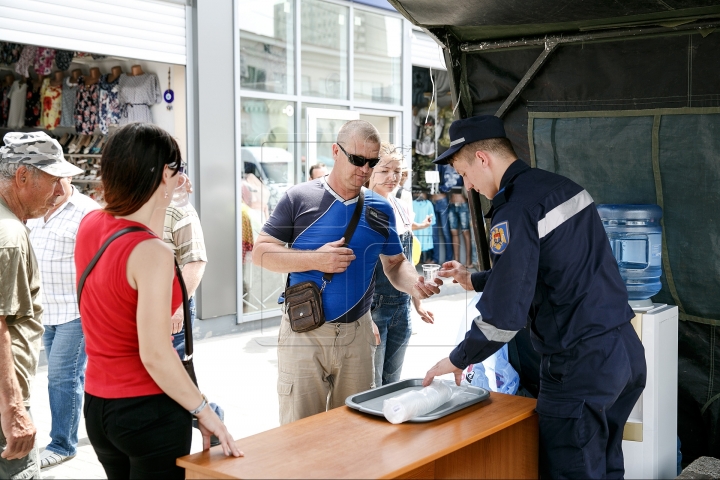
x,y
586,396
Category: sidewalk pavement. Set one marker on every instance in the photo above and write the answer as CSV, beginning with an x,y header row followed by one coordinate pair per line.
x,y
239,373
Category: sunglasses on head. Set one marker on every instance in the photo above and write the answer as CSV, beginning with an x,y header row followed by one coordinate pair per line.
x,y
181,169
359,161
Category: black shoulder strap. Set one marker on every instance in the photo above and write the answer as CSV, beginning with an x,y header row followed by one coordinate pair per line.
x,y
350,230
97,256
186,303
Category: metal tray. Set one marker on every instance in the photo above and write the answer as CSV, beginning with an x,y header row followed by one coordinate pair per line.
x,y
371,401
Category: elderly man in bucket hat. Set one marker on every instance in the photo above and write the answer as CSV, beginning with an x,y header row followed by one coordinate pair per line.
x,y
31,169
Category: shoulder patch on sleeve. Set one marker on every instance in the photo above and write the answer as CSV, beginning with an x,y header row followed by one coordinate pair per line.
x,y
499,237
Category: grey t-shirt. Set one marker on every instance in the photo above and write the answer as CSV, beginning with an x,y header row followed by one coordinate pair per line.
x,y
20,297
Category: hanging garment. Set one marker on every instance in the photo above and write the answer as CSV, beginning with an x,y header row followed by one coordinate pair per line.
x,y
109,103
10,52
44,60
63,59
86,107
33,105
4,104
16,115
137,94
26,60
52,107
69,97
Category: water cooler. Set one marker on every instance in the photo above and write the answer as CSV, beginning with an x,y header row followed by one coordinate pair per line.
x,y
650,436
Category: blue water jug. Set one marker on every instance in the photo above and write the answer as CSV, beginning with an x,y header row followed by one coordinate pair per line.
x,y
635,236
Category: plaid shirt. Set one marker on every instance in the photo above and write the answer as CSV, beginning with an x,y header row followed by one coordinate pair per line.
x,y
54,245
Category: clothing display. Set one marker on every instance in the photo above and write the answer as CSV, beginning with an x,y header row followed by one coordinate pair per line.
x,y
32,105
26,60
44,60
4,104
86,107
51,107
137,94
16,115
63,59
69,97
109,103
10,52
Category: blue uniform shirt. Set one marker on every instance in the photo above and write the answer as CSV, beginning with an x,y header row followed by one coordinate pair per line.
x,y
311,214
552,264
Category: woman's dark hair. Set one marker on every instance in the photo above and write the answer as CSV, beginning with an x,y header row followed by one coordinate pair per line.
x,y
132,165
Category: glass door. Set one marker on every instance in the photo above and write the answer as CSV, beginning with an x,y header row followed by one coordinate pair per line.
x,y
323,125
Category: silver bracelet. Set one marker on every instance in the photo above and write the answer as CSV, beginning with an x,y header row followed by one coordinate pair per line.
x,y
203,404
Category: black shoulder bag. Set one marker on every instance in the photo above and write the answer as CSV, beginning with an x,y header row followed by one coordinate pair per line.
x,y
303,301
188,360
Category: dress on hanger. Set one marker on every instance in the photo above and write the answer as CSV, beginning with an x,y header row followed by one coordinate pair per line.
x,y
10,52
109,103
86,107
137,94
44,60
4,104
26,60
33,105
52,107
63,59
69,97
16,115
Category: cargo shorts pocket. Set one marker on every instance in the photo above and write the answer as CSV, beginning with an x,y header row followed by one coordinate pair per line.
x,y
284,388
284,384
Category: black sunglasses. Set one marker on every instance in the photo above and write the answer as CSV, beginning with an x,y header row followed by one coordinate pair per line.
x,y
359,161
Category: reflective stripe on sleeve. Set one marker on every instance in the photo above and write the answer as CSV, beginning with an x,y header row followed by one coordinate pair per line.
x,y
563,212
493,333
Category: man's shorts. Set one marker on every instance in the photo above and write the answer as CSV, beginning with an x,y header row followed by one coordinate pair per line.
x,y
459,214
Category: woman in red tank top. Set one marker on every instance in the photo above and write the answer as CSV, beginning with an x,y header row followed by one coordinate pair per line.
x,y
139,400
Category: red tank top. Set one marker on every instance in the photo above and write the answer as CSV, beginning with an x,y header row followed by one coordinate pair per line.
x,y
109,309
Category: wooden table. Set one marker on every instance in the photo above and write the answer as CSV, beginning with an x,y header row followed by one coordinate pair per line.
x,y
497,438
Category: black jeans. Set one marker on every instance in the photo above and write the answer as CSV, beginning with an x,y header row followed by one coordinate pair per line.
x,y
138,437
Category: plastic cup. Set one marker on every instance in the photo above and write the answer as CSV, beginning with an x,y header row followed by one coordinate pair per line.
x,y
180,196
430,271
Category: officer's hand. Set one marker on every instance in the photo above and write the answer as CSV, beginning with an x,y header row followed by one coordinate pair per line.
x,y
335,257
458,272
441,368
19,432
422,290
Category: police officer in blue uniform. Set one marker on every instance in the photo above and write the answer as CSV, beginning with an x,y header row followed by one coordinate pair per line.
x,y
553,267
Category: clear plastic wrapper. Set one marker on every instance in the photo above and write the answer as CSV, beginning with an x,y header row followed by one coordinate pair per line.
x,y
418,402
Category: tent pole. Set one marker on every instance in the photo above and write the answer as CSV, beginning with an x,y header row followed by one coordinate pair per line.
x,y
550,47
637,32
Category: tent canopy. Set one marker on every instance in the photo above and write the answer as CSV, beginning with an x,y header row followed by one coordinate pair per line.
x,y
474,20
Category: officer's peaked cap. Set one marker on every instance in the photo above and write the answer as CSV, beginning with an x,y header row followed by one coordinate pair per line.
x,y
469,130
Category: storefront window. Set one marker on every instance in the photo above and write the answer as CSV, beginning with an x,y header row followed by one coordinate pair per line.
x,y
378,58
268,166
266,45
324,50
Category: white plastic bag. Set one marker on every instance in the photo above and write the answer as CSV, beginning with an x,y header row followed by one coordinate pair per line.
x,y
495,372
417,402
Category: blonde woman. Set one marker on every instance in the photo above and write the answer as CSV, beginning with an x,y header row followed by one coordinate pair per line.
x,y
390,307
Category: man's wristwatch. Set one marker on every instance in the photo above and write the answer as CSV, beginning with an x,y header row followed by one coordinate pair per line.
x,y
202,405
